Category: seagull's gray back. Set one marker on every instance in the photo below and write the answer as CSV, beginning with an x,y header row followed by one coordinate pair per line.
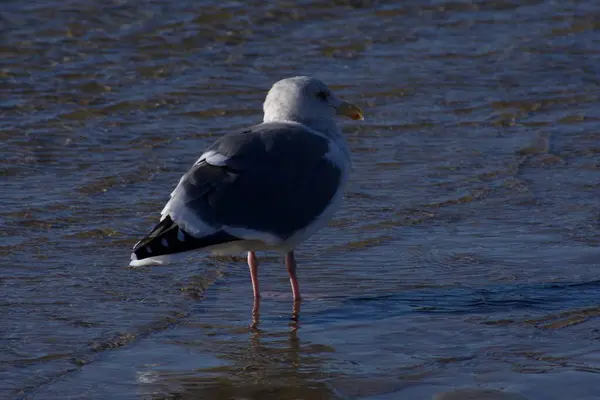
x,y
274,178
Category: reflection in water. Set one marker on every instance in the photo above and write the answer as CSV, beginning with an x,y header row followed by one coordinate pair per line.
x,y
294,320
270,366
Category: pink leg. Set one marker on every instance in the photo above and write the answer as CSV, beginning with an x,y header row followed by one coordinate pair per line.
x,y
253,264
290,263
255,313
296,313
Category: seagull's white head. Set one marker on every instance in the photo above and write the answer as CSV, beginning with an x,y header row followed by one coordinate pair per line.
x,y
306,100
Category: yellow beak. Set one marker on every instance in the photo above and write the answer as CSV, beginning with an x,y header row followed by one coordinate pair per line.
x,y
349,110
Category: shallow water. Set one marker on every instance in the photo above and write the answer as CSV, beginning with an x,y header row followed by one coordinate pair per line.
x,y
465,256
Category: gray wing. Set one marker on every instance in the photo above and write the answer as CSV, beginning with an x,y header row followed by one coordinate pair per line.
x,y
273,178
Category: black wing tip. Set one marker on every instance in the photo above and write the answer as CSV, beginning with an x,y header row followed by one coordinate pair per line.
x,y
155,232
168,238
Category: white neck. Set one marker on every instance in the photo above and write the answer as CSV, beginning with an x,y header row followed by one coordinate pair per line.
x,y
326,126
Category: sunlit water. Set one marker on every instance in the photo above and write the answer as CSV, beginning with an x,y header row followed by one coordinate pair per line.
x,y
466,254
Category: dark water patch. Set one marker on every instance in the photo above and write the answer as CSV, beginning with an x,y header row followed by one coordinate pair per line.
x,y
511,299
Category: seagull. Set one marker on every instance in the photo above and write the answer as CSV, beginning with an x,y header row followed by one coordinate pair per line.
x,y
268,187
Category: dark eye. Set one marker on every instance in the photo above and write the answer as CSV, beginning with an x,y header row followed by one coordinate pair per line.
x,y
323,95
